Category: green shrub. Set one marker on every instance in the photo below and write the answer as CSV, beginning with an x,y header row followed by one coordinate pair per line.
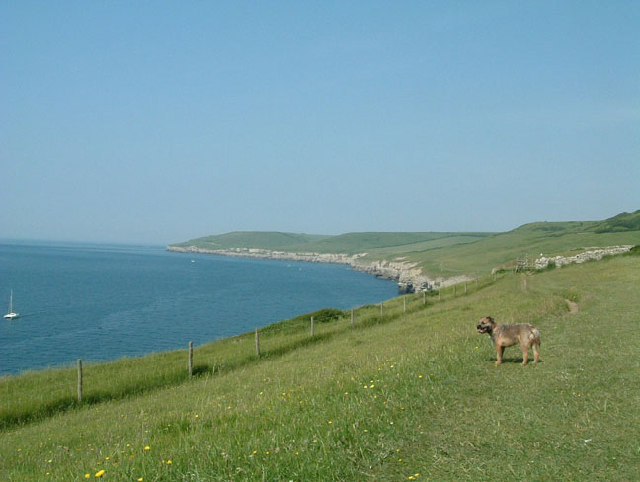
x,y
327,314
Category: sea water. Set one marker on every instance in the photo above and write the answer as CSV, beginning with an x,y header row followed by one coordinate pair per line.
x,y
105,302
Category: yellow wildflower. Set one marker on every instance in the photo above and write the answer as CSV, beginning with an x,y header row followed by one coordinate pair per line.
x,y
100,473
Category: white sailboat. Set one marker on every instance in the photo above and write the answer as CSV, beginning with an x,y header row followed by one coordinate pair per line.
x,y
12,315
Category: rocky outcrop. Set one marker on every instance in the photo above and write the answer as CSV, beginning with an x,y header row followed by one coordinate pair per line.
x,y
590,255
408,275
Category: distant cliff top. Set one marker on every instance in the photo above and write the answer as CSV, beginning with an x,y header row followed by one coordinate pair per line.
x,y
443,253
349,243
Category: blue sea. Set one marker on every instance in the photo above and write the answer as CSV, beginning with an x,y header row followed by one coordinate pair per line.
x,y
105,302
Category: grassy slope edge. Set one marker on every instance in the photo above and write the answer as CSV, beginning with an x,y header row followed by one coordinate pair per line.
x,y
395,398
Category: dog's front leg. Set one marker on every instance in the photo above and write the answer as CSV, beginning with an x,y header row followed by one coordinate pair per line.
x,y
525,354
500,351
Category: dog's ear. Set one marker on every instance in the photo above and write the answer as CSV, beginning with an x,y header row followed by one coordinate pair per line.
x,y
490,319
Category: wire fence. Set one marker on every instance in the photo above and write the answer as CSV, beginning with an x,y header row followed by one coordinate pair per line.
x,y
323,324
51,391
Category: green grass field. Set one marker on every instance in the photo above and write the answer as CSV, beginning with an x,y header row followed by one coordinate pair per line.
x,y
398,396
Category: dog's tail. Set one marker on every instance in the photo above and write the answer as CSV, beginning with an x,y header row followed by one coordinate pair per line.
x,y
534,336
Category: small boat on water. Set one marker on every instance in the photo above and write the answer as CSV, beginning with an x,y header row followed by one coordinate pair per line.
x,y
11,315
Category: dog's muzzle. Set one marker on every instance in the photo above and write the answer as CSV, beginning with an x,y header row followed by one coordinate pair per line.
x,y
482,329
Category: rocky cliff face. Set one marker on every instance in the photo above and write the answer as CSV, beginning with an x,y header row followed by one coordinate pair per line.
x,y
409,276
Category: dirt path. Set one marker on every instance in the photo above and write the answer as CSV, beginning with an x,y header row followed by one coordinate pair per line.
x,y
573,307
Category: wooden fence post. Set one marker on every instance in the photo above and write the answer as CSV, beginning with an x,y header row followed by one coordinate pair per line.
x,y
455,287
424,297
312,327
465,287
190,359
351,317
79,380
381,313
404,312
439,291
257,343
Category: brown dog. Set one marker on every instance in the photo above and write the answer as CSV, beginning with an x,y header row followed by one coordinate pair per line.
x,y
508,335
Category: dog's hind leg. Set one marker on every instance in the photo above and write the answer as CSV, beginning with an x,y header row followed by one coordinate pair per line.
x,y
536,353
535,345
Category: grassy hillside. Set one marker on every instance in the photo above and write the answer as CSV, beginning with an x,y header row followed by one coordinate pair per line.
x,y
349,243
529,240
623,222
396,243
252,239
398,396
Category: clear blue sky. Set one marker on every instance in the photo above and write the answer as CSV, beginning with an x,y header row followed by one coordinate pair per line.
x,y
161,121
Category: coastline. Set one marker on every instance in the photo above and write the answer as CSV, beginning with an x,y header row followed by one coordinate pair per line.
x,y
409,276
